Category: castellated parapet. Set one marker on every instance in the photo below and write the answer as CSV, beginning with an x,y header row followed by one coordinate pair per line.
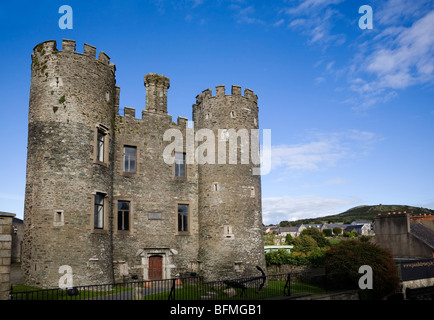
x,y
100,198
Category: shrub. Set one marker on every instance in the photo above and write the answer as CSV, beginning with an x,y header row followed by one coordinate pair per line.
x,y
327,232
289,239
350,234
279,257
337,231
304,243
314,258
349,255
317,235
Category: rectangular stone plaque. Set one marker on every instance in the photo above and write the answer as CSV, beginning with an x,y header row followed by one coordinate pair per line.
x,y
155,216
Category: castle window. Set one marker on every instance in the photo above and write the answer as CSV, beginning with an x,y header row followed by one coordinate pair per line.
x,y
99,211
183,218
227,232
252,192
232,114
179,164
58,218
123,215
100,145
130,159
215,187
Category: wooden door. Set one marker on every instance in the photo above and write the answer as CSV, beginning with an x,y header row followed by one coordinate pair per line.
x,y
155,268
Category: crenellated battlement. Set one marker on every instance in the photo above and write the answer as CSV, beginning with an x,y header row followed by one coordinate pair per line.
x,y
221,93
130,113
69,46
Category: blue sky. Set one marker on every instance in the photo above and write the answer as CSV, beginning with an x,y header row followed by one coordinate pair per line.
x,y
350,110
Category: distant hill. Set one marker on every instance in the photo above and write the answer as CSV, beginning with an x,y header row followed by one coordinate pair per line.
x,y
362,213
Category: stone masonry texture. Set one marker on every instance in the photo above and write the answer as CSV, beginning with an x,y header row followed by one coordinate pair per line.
x,y
5,253
73,111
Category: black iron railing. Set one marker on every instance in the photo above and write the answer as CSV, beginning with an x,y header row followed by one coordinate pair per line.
x,y
195,288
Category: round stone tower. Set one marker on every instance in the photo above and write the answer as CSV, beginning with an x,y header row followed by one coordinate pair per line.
x,y
67,216
229,201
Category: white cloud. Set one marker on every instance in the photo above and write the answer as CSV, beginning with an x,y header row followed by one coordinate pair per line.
x,y
319,80
309,156
394,12
278,23
313,18
400,55
322,151
246,14
308,6
288,208
407,59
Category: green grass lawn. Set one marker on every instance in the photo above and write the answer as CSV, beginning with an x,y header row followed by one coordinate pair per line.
x,y
23,292
273,289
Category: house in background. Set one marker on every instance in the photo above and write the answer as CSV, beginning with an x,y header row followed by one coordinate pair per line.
x,y
407,237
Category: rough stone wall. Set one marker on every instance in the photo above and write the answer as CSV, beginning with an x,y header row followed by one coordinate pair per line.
x,y
5,253
153,191
230,215
17,237
393,233
70,95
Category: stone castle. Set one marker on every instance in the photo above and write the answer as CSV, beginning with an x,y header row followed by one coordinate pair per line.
x,y
100,199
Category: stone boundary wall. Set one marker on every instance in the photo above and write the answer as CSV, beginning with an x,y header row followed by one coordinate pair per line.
x,y
288,268
5,253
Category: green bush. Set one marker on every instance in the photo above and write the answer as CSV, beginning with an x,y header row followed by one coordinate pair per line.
x,y
317,235
313,258
304,243
348,256
279,257
337,231
327,232
289,239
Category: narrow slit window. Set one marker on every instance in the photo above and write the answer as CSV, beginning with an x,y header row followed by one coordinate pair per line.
x,y
100,145
179,164
123,215
58,218
99,211
183,217
130,154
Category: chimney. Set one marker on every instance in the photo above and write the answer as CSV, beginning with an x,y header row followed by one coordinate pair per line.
x,y
156,92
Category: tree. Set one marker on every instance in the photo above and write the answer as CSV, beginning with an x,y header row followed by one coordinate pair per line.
x,y
304,243
350,234
289,239
327,232
269,239
285,223
348,256
337,231
317,235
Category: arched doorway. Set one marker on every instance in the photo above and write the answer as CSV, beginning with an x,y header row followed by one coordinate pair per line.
x,y
155,271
